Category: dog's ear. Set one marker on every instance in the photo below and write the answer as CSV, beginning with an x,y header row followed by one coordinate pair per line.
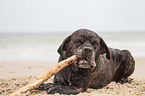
x,y
104,48
62,48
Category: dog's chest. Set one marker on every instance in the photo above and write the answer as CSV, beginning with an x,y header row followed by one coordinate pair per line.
x,y
79,78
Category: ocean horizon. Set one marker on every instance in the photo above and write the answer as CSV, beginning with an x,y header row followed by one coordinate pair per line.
x,y
43,46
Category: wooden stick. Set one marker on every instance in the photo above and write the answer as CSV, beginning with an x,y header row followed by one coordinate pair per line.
x,y
39,80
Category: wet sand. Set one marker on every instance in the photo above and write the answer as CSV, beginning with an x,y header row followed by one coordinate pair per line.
x,y
16,74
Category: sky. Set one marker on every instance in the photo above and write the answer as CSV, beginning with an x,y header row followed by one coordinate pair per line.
x,y
70,15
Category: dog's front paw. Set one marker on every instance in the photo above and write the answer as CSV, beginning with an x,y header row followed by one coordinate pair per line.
x,y
54,89
45,86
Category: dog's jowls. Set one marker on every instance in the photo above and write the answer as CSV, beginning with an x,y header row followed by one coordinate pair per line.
x,y
97,64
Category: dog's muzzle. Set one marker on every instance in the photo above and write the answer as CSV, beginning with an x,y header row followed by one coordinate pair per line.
x,y
86,58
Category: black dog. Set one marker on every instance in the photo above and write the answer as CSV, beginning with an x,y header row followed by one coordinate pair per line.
x,y
97,65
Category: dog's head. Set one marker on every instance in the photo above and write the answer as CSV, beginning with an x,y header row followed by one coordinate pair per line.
x,y
86,45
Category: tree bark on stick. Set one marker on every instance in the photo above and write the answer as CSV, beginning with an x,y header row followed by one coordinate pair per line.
x,y
39,80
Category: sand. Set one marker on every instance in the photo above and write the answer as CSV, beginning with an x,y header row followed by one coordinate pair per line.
x,y
16,74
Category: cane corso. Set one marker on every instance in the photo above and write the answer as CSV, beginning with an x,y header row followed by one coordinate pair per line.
x,y
97,64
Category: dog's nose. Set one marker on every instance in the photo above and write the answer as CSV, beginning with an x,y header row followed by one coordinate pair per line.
x,y
87,51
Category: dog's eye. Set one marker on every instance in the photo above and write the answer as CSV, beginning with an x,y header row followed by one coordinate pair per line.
x,y
95,44
77,42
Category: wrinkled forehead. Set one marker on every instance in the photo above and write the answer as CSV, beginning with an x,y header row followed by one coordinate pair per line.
x,y
86,34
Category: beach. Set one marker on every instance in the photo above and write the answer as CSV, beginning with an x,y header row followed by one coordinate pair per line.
x,y
16,74
23,57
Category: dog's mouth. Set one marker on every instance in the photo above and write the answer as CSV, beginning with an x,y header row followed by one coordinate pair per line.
x,y
82,63
85,63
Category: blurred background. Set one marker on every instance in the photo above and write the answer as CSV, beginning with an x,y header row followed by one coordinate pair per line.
x,y
34,29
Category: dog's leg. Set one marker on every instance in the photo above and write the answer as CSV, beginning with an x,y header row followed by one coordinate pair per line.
x,y
126,68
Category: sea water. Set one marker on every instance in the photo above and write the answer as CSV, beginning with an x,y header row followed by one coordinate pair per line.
x,y
43,46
